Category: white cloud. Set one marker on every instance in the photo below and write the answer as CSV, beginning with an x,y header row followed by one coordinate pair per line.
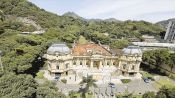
x,y
149,10
128,9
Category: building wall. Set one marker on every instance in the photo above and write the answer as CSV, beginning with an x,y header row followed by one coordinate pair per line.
x,y
126,64
129,65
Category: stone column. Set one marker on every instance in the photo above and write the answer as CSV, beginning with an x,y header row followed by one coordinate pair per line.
x,y
110,63
105,63
137,67
119,63
70,63
100,65
130,66
84,62
78,62
92,62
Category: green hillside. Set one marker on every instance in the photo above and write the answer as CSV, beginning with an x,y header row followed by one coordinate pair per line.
x,y
22,54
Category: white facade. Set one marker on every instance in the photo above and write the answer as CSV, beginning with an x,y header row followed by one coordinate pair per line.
x,y
81,61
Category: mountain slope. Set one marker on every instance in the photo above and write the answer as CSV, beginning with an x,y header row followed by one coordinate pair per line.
x,y
164,23
72,23
72,14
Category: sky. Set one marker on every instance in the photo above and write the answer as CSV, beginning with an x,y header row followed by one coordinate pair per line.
x,y
148,10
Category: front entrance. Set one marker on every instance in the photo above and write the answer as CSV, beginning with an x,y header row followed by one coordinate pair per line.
x,y
96,64
57,75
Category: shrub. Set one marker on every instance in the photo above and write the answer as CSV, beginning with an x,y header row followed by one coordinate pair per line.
x,y
172,76
149,95
40,74
64,81
126,80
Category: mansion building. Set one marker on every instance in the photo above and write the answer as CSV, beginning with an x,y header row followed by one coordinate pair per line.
x,y
99,61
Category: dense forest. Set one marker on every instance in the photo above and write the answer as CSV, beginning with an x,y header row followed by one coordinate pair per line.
x,y
22,55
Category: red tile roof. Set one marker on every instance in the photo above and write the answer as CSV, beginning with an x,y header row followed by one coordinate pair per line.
x,y
89,49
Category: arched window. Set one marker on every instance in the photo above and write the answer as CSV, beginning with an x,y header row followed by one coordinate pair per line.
x,y
81,63
58,67
87,62
133,67
124,66
114,63
74,63
67,65
107,63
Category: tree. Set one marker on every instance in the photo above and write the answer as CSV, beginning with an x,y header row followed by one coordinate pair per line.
x,y
2,16
160,95
72,94
166,92
149,95
48,90
90,82
17,86
172,61
121,43
82,40
157,58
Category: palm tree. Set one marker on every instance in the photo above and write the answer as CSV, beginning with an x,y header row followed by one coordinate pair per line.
x,y
90,82
71,94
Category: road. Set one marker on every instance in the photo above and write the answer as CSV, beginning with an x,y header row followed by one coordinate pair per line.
x,y
137,87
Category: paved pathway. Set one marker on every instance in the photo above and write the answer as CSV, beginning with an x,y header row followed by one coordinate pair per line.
x,y
137,87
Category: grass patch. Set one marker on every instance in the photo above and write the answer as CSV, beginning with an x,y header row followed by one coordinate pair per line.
x,y
82,40
89,95
172,76
125,80
64,81
78,95
40,75
132,96
146,74
164,82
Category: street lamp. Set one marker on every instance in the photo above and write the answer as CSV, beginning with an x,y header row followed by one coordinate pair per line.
x,y
0,60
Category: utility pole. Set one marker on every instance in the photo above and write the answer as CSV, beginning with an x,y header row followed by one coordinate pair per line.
x,y
1,60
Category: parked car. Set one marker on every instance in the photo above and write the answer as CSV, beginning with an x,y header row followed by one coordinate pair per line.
x,y
57,78
112,94
112,85
151,78
147,80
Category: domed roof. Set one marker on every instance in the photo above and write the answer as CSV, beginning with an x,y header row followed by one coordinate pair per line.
x,y
132,50
58,48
